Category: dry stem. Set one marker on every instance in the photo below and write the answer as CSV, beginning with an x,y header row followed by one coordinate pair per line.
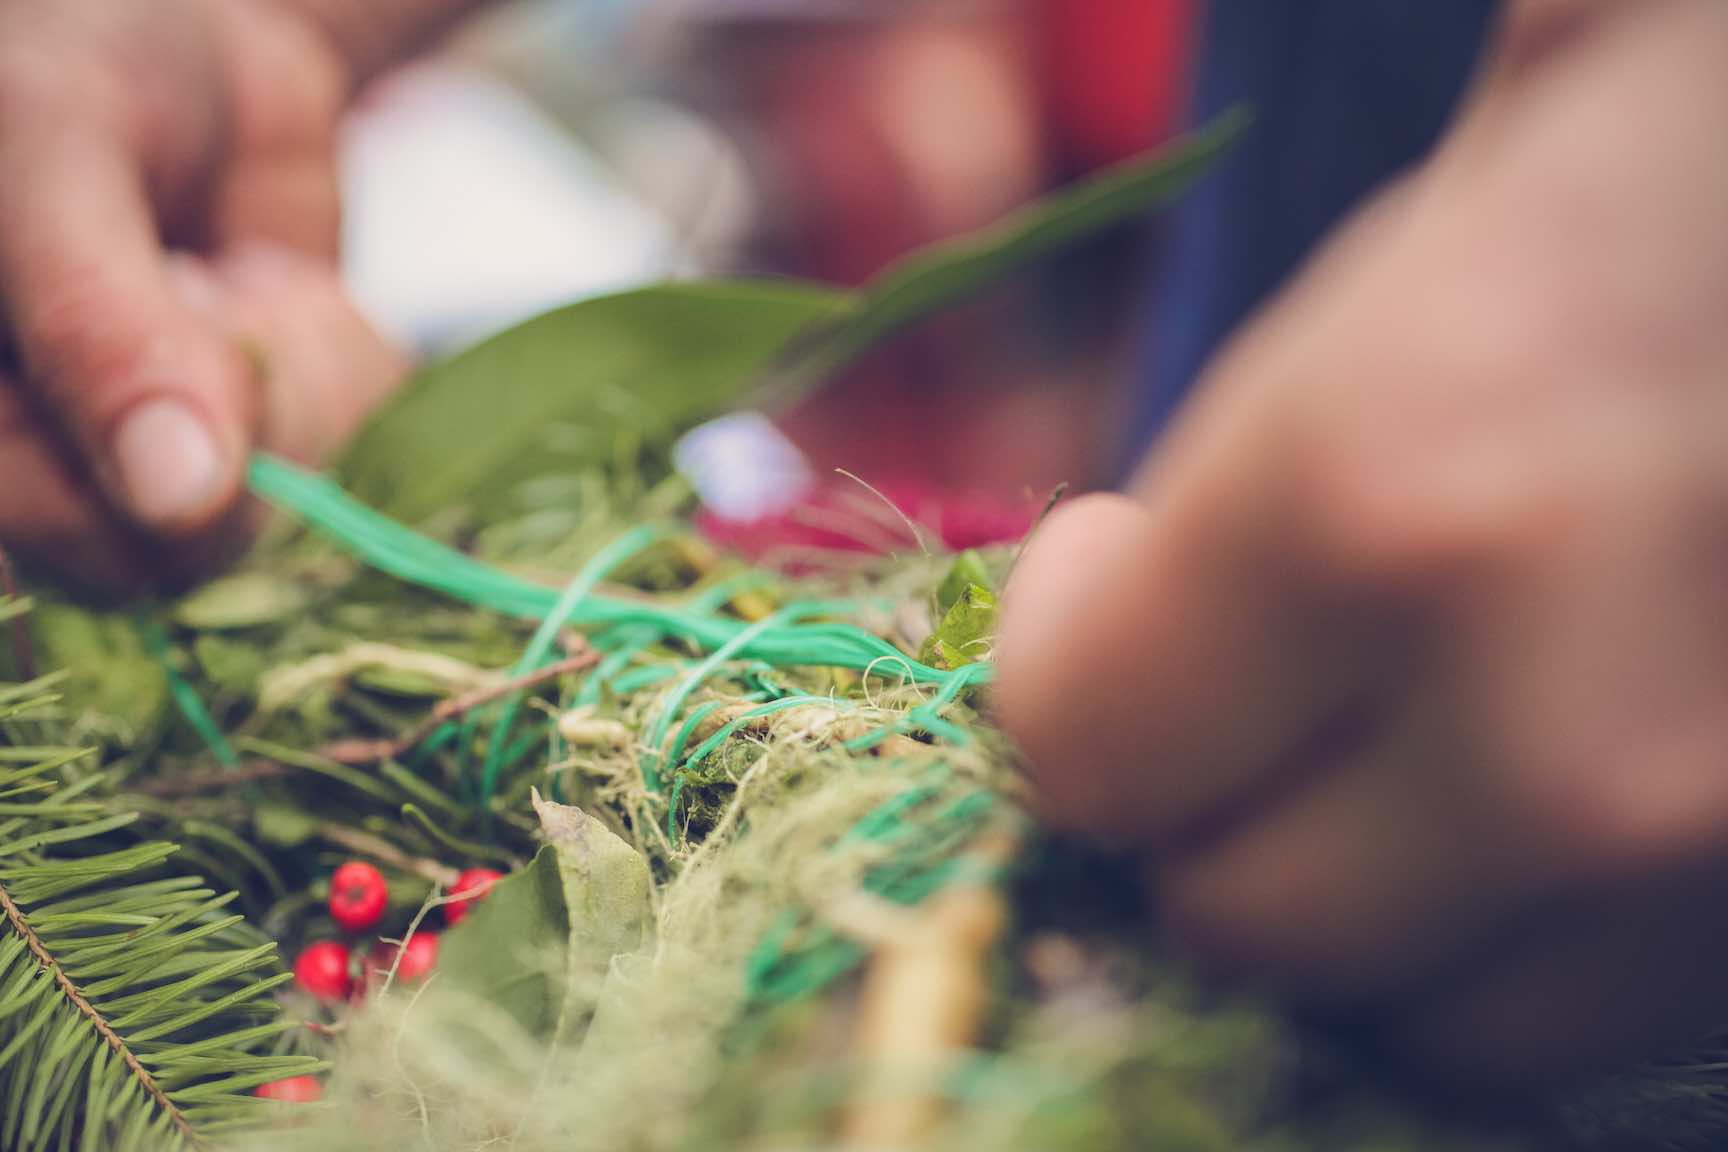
x,y
358,753
366,844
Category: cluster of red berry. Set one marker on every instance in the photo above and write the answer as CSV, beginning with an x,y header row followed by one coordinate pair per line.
x,y
326,969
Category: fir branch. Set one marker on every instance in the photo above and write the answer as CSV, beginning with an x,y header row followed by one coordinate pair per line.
x,y
98,1023
135,1012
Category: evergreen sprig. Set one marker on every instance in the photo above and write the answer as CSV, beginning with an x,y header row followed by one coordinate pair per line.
x,y
135,1012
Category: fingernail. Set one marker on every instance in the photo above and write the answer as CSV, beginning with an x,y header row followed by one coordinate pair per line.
x,y
169,465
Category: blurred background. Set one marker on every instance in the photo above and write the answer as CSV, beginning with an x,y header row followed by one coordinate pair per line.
x,y
563,148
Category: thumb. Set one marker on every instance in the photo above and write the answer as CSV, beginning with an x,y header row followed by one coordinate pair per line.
x,y
157,404
322,366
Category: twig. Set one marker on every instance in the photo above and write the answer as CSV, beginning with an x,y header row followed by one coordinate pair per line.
x,y
1056,496
23,647
252,771
366,844
358,752
21,925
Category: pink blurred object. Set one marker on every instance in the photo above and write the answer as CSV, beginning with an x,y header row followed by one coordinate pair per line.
x,y
843,516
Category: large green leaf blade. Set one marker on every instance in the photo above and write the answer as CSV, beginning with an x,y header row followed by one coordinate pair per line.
x,y
557,392
943,275
510,950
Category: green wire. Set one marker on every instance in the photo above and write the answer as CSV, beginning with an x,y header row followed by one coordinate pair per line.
x,y
727,651
185,696
624,628
728,730
399,551
612,664
540,646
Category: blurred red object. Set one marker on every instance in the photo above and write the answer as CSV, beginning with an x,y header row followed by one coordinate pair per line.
x,y
844,517
1116,71
881,127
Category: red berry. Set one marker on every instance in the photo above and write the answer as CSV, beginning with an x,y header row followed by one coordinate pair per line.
x,y
473,886
419,957
322,970
358,896
294,1090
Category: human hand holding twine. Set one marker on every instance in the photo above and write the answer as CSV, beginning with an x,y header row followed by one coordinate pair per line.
x,y
1406,660
168,233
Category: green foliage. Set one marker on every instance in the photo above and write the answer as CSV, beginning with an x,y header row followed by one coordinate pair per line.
x,y
508,952
968,568
946,274
967,629
117,690
563,391
247,600
539,947
135,1010
574,387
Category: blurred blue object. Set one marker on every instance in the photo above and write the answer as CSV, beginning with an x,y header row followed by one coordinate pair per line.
x,y
1346,93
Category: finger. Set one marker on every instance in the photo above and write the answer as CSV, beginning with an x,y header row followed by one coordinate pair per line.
x,y
1384,864
1160,661
280,186
157,404
46,510
1580,988
323,366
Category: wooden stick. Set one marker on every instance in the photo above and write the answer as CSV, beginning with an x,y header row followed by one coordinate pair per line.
x,y
924,1002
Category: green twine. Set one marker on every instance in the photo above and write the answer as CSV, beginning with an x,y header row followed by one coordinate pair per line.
x,y
727,731
185,696
535,655
727,651
399,551
773,974
719,595
777,973
631,645
697,714
724,733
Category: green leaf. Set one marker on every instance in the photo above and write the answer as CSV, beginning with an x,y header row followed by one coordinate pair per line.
x,y
968,569
942,275
510,950
230,665
245,600
966,630
539,946
607,893
116,688
557,393
564,391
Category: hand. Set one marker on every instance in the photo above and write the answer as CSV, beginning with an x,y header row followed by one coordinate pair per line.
x,y
168,236
1407,660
